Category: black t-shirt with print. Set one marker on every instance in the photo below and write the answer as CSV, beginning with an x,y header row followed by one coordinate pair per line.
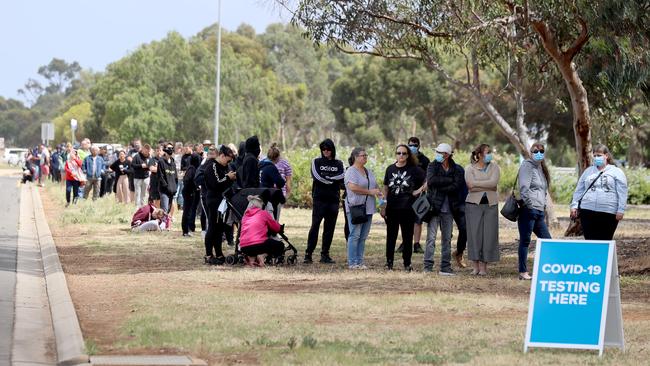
x,y
401,182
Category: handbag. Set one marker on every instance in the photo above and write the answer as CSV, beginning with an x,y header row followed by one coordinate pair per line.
x,y
512,206
358,212
423,206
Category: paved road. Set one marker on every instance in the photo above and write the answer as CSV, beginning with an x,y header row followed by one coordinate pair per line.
x,y
10,200
26,332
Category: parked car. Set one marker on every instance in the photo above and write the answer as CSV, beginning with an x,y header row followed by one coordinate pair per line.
x,y
14,156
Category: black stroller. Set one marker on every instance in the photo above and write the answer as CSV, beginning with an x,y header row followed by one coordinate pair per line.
x,y
237,202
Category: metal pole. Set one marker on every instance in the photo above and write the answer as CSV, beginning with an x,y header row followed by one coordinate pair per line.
x,y
218,90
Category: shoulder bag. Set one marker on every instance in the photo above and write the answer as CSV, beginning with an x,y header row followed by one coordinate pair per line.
x,y
358,212
511,208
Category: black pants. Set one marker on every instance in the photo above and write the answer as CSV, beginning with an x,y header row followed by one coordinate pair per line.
x,y
322,211
598,225
396,219
190,201
216,228
71,186
461,242
271,247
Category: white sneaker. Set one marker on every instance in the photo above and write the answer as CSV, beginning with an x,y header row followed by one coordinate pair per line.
x,y
203,234
362,266
354,266
446,273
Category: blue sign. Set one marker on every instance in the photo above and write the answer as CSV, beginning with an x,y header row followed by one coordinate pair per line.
x,y
570,294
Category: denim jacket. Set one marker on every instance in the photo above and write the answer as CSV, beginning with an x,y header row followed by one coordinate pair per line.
x,y
608,194
87,167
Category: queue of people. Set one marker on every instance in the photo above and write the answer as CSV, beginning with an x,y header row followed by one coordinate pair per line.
x,y
198,175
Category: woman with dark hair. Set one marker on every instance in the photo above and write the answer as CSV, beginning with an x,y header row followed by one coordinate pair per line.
x,y
534,183
218,178
361,189
121,167
600,197
481,209
403,181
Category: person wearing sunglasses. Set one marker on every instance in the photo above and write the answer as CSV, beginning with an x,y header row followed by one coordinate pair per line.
x,y
327,173
403,182
445,181
481,209
423,163
534,183
602,193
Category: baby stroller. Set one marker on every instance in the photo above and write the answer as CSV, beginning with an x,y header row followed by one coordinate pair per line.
x,y
237,202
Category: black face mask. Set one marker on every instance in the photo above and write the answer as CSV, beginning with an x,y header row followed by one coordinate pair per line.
x,y
169,151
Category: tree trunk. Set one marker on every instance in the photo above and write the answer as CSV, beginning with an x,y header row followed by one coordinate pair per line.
x,y
432,122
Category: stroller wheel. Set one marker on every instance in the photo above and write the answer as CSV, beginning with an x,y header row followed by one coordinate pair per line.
x,y
279,260
231,260
240,259
291,259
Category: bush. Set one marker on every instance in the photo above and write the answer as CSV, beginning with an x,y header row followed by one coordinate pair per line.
x,y
380,156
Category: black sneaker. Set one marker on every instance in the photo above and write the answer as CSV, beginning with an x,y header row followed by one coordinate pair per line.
x,y
324,258
231,244
408,268
400,248
187,235
417,248
389,266
307,259
218,261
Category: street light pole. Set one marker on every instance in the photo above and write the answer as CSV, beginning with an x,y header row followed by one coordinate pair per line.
x,y
218,90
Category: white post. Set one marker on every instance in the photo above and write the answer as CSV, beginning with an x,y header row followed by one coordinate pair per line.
x,y
217,94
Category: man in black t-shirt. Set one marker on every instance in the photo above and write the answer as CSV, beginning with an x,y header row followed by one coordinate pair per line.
x,y
140,164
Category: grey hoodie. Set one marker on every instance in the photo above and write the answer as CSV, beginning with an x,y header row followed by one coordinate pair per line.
x,y
532,185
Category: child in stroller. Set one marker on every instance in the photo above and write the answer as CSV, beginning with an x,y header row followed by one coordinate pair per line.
x,y
260,237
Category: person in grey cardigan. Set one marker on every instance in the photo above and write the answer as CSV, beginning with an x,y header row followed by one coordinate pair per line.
x,y
534,181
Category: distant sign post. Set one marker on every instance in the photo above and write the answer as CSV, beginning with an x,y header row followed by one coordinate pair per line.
x,y
73,128
575,297
47,132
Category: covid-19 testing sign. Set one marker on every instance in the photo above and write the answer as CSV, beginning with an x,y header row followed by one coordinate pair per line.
x,y
575,296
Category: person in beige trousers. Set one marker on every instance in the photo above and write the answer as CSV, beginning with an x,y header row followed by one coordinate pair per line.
x,y
121,167
481,210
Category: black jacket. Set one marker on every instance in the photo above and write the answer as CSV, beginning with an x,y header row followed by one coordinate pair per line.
x,y
423,161
136,163
443,184
327,175
167,176
189,187
216,180
270,176
248,174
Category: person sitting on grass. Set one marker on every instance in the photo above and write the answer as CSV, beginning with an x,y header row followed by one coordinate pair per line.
x,y
255,242
150,218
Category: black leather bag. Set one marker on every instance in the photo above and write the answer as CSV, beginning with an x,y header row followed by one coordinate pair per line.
x,y
511,208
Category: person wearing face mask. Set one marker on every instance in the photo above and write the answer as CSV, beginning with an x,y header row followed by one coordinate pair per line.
x,y
600,196
423,163
167,177
217,179
445,180
481,209
534,183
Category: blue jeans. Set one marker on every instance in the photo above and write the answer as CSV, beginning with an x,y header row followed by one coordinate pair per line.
x,y
530,221
179,195
446,222
357,241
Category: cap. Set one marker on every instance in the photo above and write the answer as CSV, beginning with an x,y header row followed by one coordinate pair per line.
x,y
444,148
207,142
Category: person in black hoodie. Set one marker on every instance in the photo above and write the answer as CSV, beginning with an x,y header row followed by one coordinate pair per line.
x,y
167,178
327,173
248,174
190,196
444,181
218,178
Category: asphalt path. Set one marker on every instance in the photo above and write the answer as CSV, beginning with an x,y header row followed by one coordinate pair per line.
x,y
9,214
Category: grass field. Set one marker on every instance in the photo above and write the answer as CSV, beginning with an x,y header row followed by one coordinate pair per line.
x,y
150,293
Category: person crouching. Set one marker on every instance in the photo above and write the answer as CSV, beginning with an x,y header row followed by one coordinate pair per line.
x,y
254,241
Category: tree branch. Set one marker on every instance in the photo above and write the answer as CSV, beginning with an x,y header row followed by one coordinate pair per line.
x,y
579,42
406,22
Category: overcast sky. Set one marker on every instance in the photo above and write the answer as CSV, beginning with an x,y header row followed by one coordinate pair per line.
x,y
98,32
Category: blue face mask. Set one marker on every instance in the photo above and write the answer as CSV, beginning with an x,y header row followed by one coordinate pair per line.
x,y
414,149
599,161
487,158
538,156
439,157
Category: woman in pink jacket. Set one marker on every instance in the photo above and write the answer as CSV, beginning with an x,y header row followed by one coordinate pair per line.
x,y
254,240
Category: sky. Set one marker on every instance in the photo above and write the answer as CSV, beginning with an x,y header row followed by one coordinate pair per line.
x,y
98,32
